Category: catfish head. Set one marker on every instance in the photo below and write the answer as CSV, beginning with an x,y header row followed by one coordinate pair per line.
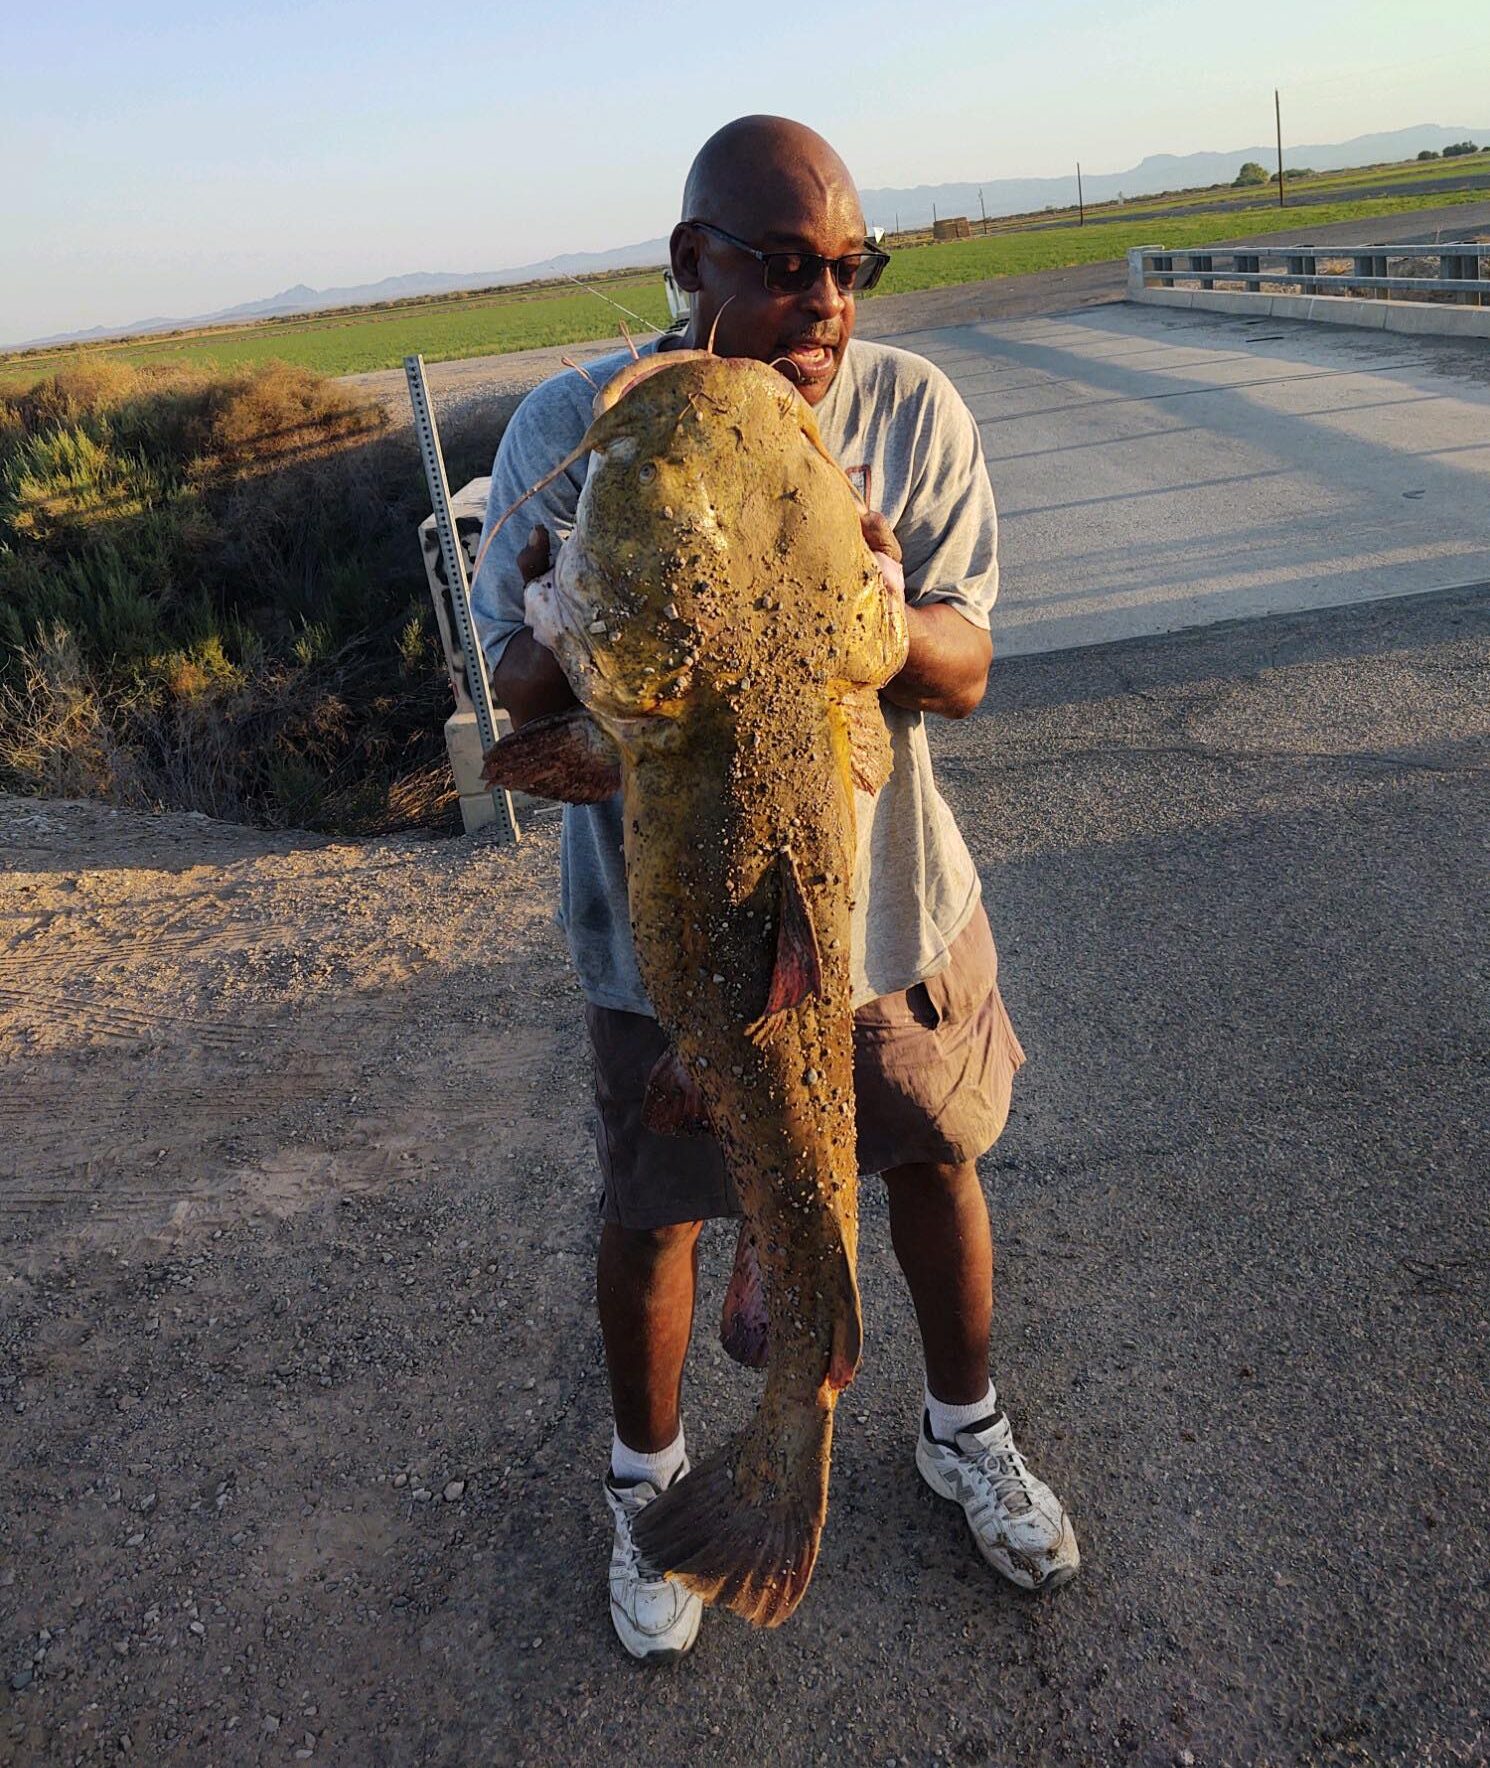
x,y
716,552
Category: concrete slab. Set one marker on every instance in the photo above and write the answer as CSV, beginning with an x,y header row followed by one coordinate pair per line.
x,y
1158,469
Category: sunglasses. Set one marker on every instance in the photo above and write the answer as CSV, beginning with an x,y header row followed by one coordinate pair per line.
x,y
795,273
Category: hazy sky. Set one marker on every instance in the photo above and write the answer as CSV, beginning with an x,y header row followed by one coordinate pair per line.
x,y
170,158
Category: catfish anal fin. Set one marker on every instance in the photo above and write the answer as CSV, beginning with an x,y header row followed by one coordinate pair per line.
x,y
744,1327
673,1105
565,756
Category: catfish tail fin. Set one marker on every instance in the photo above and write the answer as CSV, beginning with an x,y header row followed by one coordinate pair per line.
x,y
742,1530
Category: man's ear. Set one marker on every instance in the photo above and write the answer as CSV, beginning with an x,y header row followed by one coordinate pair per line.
x,y
685,246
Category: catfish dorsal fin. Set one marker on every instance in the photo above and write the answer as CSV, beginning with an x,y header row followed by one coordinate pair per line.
x,y
797,974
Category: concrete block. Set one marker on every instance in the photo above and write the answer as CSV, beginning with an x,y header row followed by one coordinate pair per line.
x,y
1449,322
477,810
1230,301
1167,297
1135,269
1348,310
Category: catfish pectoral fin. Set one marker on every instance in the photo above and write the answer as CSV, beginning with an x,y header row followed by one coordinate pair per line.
x,y
738,1539
565,756
672,1104
870,756
744,1326
797,974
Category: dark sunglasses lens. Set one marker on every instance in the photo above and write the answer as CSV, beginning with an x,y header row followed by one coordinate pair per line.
x,y
790,273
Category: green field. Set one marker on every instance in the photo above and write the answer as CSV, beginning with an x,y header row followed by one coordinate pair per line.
x,y
448,328
1055,248
1446,173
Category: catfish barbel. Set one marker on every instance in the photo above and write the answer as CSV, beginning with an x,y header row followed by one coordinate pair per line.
x,y
725,629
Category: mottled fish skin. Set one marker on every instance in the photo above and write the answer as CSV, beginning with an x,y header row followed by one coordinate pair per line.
x,y
727,628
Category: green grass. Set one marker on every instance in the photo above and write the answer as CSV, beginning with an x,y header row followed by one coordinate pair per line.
x,y
457,326
356,342
1056,248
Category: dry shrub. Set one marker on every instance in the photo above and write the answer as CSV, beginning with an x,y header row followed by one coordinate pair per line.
x,y
211,597
90,386
56,736
281,414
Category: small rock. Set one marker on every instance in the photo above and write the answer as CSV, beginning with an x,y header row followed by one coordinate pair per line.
x,y
271,1721
456,1489
1185,1759
422,1494
197,1628
21,1679
400,1479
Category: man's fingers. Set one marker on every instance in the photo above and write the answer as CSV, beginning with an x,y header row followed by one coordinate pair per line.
x,y
879,536
534,559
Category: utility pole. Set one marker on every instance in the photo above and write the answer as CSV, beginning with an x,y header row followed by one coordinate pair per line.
x,y
982,210
1278,119
1080,200
897,223
933,217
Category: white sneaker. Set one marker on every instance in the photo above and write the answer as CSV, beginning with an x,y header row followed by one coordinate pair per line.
x,y
1021,1527
655,1618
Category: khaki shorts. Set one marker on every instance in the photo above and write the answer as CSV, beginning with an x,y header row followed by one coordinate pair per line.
x,y
933,1070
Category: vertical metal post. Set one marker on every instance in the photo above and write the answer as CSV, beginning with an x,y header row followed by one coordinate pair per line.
x,y
1080,200
1278,119
982,211
454,557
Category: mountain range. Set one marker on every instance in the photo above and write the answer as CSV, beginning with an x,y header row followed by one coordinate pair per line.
x,y
887,208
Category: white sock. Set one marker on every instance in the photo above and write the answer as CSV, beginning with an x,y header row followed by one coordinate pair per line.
x,y
947,1420
627,1466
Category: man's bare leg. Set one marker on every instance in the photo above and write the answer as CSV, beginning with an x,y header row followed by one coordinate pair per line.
x,y
644,1284
940,1231
939,1228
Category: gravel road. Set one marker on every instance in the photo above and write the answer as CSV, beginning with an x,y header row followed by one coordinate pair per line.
x,y
301,1402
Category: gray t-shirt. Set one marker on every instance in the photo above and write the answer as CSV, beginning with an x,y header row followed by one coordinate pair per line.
x,y
902,433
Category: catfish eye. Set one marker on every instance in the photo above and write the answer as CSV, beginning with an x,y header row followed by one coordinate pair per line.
x,y
646,472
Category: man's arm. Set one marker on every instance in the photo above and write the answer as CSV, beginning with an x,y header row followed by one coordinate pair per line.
x,y
946,666
528,680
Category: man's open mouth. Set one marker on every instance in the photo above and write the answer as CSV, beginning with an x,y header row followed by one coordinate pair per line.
x,y
809,361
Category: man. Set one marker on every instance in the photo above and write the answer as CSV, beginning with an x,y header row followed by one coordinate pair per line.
x,y
771,248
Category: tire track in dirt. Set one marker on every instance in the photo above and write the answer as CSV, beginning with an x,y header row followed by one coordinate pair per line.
x,y
185,1046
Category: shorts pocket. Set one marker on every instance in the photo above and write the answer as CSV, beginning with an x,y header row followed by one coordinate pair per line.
x,y
957,992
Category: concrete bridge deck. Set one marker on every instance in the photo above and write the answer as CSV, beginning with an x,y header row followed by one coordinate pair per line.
x,y
1156,470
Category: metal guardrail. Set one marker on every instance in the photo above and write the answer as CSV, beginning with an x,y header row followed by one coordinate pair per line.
x,y
1463,273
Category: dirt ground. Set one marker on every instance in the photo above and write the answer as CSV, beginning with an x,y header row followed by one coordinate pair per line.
x,y
302,1413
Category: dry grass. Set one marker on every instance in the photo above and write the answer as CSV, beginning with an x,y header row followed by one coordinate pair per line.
x,y
211,598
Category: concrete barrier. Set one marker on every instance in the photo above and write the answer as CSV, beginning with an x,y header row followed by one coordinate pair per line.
x,y
1420,318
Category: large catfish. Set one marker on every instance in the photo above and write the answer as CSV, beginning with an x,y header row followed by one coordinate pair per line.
x,y
725,629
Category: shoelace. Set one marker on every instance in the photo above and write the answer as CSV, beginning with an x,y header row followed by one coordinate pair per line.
x,y
1002,1465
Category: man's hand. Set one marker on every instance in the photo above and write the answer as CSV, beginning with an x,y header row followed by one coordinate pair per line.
x,y
946,668
528,681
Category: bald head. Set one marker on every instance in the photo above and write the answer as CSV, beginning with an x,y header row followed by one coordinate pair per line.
x,y
757,171
765,189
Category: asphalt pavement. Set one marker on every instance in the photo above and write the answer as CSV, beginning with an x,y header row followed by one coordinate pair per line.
x,y
1237,879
